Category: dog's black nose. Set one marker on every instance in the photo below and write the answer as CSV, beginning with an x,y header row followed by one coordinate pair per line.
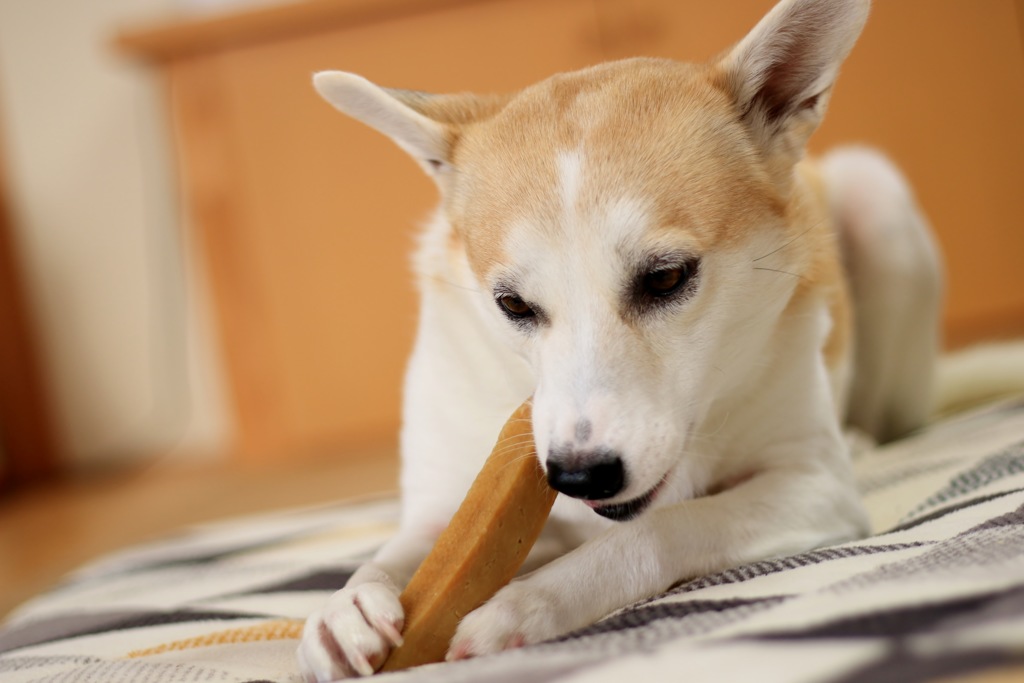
x,y
593,479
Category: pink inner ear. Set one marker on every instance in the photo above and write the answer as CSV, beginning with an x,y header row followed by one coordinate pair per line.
x,y
796,70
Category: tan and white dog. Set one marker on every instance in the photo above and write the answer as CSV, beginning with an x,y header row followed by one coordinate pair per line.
x,y
697,310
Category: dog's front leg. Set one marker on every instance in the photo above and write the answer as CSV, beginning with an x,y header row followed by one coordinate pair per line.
x,y
775,513
356,629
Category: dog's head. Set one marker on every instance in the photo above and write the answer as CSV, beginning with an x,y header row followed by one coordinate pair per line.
x,y
626,224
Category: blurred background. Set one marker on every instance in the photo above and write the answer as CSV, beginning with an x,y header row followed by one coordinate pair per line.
x,y
205,299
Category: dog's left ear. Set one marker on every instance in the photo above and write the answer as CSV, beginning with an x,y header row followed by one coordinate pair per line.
x,y
781,74
424,125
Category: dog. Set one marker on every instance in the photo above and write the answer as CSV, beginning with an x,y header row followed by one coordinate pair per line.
x,y
696,309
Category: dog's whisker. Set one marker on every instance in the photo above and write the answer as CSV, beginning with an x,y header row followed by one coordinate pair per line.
x,y
518,438
509,444
784,272
531,454
709,434
503,451
445,281
790,241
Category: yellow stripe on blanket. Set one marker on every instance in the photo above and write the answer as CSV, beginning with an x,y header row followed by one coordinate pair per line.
x,y
277,629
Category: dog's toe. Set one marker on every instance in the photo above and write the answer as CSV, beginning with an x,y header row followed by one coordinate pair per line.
x,y
513,618
352,635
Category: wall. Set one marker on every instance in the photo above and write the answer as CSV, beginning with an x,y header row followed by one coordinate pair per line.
x,y
125,337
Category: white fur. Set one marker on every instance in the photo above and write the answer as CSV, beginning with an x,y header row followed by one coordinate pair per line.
x,y
421,137
896,281
672,395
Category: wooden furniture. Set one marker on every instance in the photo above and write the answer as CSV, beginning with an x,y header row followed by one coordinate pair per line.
x,y
305,218
28,443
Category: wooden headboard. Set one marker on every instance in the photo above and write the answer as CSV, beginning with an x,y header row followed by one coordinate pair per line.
x,y
305,218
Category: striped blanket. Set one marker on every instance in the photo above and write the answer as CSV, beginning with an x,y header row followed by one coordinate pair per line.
x,y
938,590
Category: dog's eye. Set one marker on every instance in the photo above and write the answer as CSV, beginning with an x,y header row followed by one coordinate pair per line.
x,y
514,307
666,281
661,283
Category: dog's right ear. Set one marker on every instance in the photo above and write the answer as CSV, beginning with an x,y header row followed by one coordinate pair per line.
x,y
424,125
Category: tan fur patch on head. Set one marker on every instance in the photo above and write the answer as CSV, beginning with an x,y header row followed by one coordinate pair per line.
x,y
454,110
819,249
652,130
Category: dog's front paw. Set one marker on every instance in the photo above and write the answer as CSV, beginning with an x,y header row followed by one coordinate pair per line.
x,y
352,635
514,617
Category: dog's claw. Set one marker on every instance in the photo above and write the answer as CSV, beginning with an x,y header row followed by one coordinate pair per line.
x,y
361,663
460,651
391,631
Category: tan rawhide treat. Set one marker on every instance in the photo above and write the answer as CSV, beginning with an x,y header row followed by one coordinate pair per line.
x,y
483,547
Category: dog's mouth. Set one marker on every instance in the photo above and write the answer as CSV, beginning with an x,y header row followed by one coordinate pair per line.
x,y
623,512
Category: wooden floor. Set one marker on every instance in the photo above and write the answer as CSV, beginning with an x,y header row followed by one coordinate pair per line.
x,y
47,531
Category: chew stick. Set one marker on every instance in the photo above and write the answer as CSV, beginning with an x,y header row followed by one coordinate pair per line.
x,y
481,550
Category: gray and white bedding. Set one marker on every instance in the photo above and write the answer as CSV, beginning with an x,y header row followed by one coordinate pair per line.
x,y
937,590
